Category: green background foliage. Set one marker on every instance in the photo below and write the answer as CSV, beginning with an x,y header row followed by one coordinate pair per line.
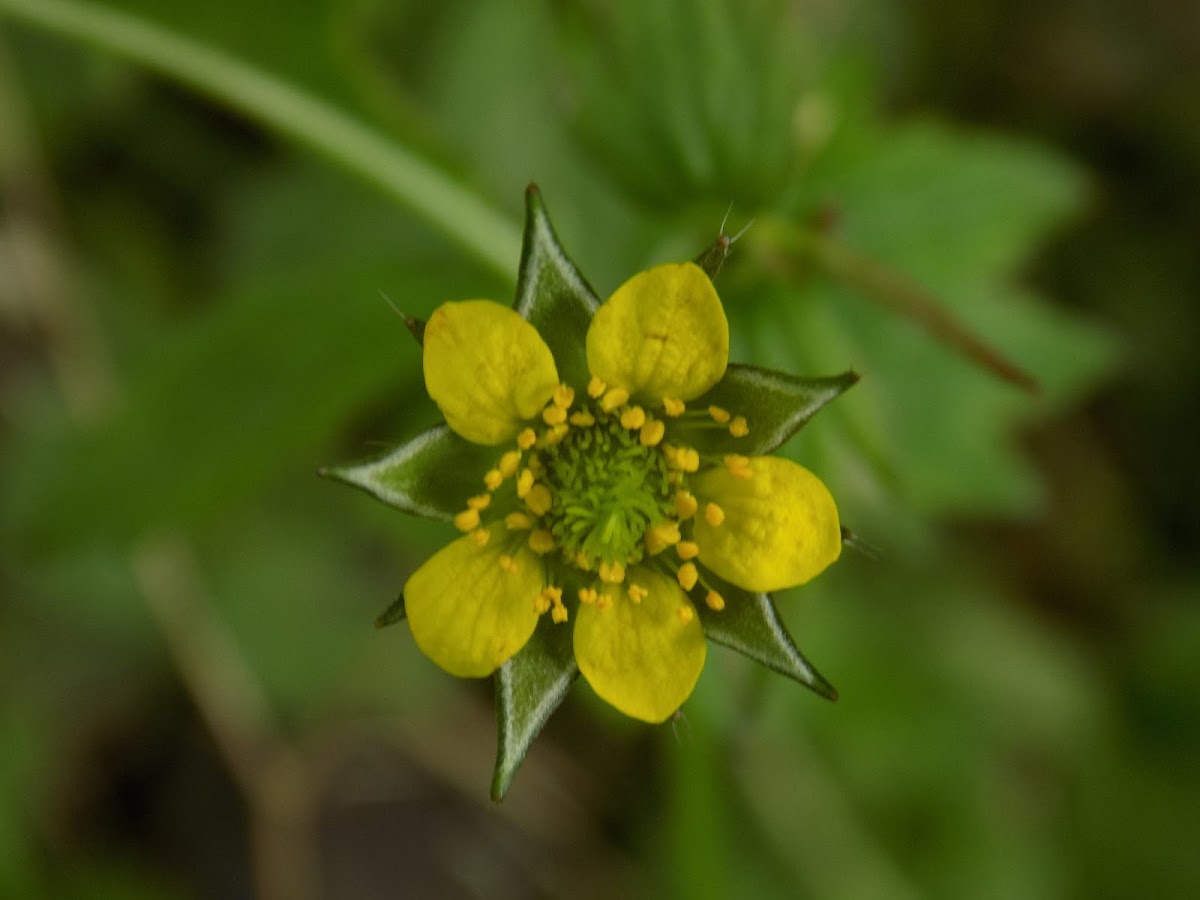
x,y
192,700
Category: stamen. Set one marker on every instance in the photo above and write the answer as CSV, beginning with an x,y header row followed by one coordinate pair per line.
x,y
509,462
588,595
612,573
603,601
480,536
687,549
738,466
686,504
554,415
688,459
541,603
524,483
479,503
673,407
687,575
652,432
738,427
613,398
721,416
715,601
539,499
526,438
596,387
508,564
564,396
582,419
637,593
541,541
518,521
559,614
555,434
713,514
685,613
633,418
660,537
467,520
493,479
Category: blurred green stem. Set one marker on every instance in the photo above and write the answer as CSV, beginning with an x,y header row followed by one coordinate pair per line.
x,y
788,246
448,207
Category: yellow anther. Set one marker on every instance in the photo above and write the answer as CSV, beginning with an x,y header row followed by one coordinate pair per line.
x,y
686,614
685,504
554,414
588,595
613,398
713,514
541,541
739,427
480,502
660,537
582,418
715,601
526,438
687,459
538,500
673,406
541,603
555,434
508,564
612,573
652,432
719,415
581,561
467,520
480,537
687,576
564,396
687,549
524,483
518,521
552,593
559,614
633,418
509,462
596,387
738,466
603,601
493,479
637,593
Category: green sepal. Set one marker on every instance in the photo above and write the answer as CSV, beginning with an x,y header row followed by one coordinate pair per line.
x,y
393,614
552,295
529,688
750,624
776,405
428,475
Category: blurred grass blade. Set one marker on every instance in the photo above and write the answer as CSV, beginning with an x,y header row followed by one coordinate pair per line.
x,y
280,106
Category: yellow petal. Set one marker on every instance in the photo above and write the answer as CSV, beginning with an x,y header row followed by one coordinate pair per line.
x,y
487,369
663,333
641,657
780,527
467,612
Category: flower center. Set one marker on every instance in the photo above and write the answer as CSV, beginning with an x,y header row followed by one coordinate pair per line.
x,y
607,489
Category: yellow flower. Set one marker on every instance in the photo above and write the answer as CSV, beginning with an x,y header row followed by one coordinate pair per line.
x,y
597,499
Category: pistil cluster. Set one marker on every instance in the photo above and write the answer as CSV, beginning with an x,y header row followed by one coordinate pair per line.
x,y
599,494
